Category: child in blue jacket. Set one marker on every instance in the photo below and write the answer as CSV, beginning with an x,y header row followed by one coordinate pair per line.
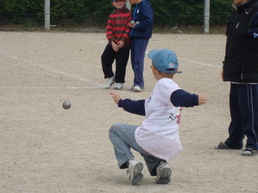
x,y
141,32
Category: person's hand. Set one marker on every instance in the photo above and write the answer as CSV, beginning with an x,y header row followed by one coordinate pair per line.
x,y
116,97
115,47
222,74
132,24
120,44
202,99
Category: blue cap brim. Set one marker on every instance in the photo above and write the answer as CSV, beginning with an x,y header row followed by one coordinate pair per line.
x,y
152,53
177,72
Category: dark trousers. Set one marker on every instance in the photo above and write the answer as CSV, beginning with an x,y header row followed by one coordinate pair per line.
x,y
138,48
109,56
244,116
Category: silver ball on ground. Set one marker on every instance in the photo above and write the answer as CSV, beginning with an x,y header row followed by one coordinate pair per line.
x,y
66,105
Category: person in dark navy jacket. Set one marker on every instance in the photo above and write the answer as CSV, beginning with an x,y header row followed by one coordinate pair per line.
x,y
240,68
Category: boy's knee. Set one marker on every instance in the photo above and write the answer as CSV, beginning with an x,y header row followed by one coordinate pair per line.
x,y
112,129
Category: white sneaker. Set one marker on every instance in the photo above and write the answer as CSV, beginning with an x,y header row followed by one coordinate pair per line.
x,y
118,86
249,152
163,173
137,88
134,171
130,87
110,82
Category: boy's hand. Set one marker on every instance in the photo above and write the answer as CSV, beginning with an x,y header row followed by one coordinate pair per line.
x,y
116,97
120,44
132,24
202,99
115,47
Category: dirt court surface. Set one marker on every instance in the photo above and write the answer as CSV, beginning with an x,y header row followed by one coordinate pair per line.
x,y
44,148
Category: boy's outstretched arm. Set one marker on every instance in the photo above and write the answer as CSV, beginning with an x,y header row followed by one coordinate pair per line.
x,y
135,107
181,98
202,99
116,97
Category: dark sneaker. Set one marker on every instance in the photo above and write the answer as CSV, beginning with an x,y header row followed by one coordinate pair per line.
x,y
134,171
163,173
222,145
249,152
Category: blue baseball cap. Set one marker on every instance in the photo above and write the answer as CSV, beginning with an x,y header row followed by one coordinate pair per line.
x,y
164,60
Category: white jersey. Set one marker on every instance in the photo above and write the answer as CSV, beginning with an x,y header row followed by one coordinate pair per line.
x,y
158,133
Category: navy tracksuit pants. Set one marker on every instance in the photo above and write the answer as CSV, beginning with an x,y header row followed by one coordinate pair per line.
x,y
244,116
138,48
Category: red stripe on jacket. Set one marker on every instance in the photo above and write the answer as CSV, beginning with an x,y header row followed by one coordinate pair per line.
x,y
118,28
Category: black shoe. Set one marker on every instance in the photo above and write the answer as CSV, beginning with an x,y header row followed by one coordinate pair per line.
x,y
222,145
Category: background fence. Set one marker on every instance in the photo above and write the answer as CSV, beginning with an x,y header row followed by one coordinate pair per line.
x,y
88,15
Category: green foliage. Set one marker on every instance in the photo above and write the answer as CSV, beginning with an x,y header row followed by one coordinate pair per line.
x,y
166,12
190,12
78,10
220,11
177,12
101,11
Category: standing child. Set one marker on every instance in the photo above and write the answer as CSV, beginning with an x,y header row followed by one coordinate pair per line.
x,y
240,68
157,139
118,47
140,34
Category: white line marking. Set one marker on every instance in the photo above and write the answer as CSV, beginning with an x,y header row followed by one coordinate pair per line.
x,y
75,76
195,62
49,87
201,63
51,69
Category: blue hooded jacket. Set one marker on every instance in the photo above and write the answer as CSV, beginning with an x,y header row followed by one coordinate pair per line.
x,y
143,16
